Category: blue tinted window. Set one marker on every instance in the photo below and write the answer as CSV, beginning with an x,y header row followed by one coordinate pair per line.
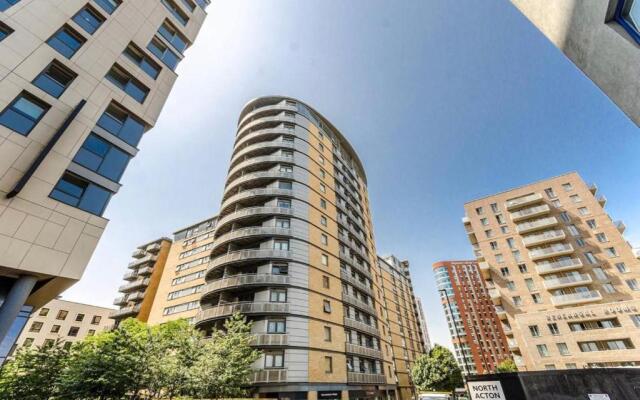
x,y
108,5
5,31
23,113
175,11
102,157
121,78
66,41
80,193
173,36
5,4
7,344
54,79
145,63
203,3
163,53
190,5
88,19
121,124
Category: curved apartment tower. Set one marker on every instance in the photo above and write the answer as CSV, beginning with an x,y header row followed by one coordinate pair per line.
x,y
294,251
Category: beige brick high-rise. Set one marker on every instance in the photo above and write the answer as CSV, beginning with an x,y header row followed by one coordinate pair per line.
x,y
80,82
564,280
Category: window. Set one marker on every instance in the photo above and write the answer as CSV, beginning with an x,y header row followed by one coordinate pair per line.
x,y
125,81
283,223
323,188
326,306
504,229
79,317
325,260
175,11
604,345
567,187
499,258
583,211
600,274
190,5
143,61
73,331
55,79
556,203
580,242
62,315
590,257
27,342
494,207
91,332
494,245
5,30
66,41
274,359
88,19
324,239
573,230
550,193
611,252
43,312
535,332
598,324
5,4
479,211
23,113
321,160
500,219
608,288
553,328
622,267
522,268
281,244
36,326
543,350
633,284
530,285
181,308
327,334
276,326
628,16
504,271
592,223
96,320
184,292
635,319
285,185
484,221
278,296
323,204
325,282
510,243
517,300
160,50
109,5
102,157
328,365
571,366
575,198
175,38
323,220
286,168
511,286
122,124
564,216
282,203
78,192
322,173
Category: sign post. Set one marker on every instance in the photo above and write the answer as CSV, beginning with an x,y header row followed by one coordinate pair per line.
x,y
486,390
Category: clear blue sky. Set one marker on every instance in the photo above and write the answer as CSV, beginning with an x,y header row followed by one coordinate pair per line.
x,y
443,103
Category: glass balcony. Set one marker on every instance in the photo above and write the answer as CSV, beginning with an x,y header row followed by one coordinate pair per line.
x,y
544,237
530,212
566,281
576,298
555,250
549,267
523,201
536,224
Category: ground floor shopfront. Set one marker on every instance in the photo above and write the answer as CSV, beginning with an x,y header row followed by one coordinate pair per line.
x,y
338,392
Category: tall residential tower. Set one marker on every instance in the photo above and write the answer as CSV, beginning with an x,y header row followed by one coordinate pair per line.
x,y
80,83
564,280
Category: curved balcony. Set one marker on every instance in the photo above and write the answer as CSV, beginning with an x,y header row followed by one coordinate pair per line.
x,y
247,194
278,375
260,160
252,212
251,232
272,144
137,284
254,176
544,237
248,308
361,326
555,250
357,283
138,253
567,281
281,106
129,276
549,267
354,301
522,201
362,350
244,280
248,255
269,339
276,118
125,312
536,225
576,298
149,258
361,377
530,212
279,130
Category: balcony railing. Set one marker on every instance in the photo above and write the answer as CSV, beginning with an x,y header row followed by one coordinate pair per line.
x,y
241,255
128,276
138,253
250,193
536,224
554,250
269,339
548,267
356,282
361,326
530,212
140,282
576,298
485,269
362,350
501,312
245,279
565,281
250,232
620,226
544,237
523,201
251,211
153,248
347,298
371,379
249,307
253,176
125,312
146,259
269,376
145,271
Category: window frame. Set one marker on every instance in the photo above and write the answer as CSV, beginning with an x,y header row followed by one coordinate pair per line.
x,y
71,32
32,99
45,74
619,17
94,13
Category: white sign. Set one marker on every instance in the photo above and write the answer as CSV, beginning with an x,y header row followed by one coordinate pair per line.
x,y
597,396
486,390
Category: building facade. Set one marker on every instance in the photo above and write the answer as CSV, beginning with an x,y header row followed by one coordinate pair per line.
x,y
64,320
422,321
80,82
565,282
294,250
602,38
476,332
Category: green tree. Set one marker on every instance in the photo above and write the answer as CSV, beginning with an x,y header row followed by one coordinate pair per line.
x,y
33,373
436,371
225,368
506,365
